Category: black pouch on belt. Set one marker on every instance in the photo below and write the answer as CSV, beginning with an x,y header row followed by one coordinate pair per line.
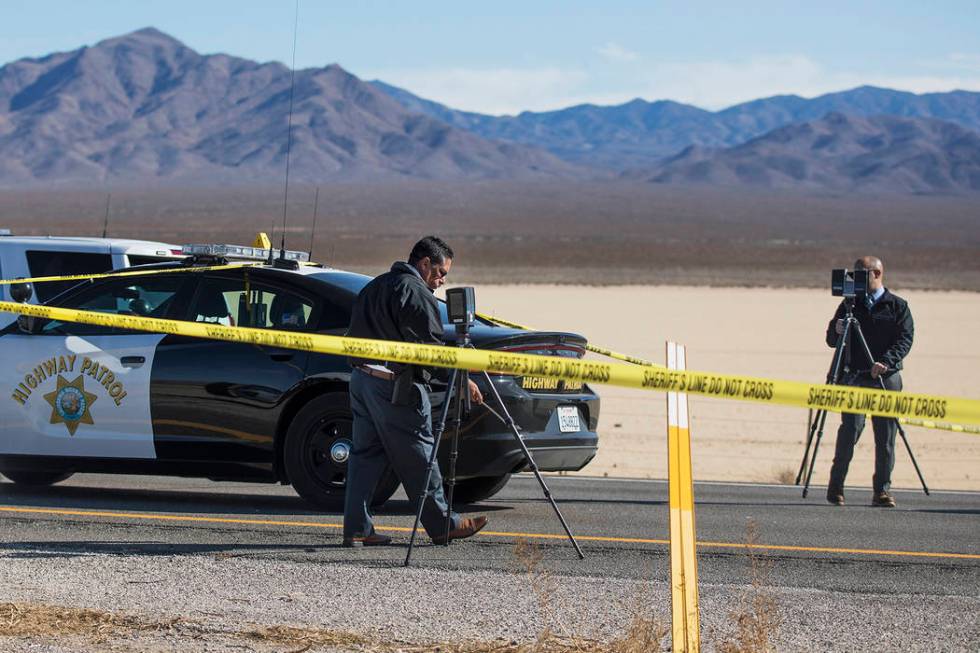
x,y
402,391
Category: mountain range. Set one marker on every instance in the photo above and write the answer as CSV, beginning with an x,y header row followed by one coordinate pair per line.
x,y
146,107
639,133
143,108
840,153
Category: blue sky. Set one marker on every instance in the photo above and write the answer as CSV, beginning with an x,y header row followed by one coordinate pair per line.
x,y
504,56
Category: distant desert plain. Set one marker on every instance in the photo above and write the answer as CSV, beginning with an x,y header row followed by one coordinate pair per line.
x,y
742,279
769,332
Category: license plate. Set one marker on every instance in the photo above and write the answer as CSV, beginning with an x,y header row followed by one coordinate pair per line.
x,y
568,421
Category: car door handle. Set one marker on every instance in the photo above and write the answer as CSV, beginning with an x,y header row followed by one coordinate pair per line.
x,y
132,361
281,357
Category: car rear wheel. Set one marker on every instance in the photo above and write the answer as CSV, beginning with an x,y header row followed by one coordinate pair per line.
x,y
35,477
476,489
317,448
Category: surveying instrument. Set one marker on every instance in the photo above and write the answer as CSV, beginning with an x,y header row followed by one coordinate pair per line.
x,y
848,284
461,308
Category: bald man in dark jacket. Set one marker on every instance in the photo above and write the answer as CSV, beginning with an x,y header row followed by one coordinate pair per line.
x,y
887,325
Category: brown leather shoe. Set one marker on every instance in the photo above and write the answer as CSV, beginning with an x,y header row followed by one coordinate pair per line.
x,y
883,500
374,539
467,528
835,497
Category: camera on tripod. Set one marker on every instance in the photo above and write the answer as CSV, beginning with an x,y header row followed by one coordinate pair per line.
x,y
461,306
848,283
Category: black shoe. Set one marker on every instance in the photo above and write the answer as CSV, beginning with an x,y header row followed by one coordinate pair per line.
x,y
835,497
371,540
883,500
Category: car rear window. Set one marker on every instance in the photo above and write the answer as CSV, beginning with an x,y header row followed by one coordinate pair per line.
x,y
57,264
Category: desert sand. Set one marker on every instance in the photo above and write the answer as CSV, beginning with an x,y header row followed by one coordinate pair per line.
x,y
777,333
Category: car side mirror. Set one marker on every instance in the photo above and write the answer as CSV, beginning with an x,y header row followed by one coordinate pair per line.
x,y
21,292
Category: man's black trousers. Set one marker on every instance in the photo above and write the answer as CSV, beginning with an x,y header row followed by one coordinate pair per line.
x,y
885,429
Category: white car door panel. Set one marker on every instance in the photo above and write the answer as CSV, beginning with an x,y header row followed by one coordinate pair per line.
x,y
70,395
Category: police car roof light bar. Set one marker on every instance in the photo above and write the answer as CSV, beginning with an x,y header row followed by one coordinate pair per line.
x,y
241,252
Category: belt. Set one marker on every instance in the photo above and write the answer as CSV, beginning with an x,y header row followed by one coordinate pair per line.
x,y
378,374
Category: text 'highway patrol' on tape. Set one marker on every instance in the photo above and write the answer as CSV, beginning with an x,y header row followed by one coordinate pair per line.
x,y
742,388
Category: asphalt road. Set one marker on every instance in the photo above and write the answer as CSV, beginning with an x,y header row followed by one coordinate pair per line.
x,y
927,545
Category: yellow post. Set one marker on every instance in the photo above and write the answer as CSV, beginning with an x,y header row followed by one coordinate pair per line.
x,y
686,629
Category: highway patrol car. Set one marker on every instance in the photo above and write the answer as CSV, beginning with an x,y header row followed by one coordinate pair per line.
x,y
84,398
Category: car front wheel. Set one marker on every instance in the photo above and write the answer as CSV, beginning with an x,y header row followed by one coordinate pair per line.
x,y
316,451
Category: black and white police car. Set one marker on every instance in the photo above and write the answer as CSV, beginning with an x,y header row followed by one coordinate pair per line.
x,y
83,398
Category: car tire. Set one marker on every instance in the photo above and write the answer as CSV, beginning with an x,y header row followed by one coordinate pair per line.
x,y
35,477
472,490
315,453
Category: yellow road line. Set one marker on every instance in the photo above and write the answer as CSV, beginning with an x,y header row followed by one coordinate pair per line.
x,y
508,534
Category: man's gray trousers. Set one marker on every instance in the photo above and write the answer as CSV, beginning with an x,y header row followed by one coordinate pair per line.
x,y
385,433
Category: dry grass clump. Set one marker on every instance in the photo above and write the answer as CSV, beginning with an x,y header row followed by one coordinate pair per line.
x,y
51,622
36,620
643,634
306,638
756,616
786,476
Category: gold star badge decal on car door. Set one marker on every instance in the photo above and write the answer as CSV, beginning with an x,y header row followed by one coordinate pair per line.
x,y
70,404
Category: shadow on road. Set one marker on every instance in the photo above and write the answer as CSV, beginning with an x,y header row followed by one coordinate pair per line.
x,y
186,501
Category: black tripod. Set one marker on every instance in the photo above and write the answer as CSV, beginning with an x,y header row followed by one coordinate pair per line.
x,y
459,386
834,376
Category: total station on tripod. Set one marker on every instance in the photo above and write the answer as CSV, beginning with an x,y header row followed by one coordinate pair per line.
x,y
461,306
848,283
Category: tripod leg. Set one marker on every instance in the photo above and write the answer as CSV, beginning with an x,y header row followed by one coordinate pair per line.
x,y
462,387
820,421
881,382
437,430
509,421
817,424
912,457
810,428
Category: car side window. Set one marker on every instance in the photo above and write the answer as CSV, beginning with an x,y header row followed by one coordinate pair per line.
x,y
247,303
57,264
150,297
335,315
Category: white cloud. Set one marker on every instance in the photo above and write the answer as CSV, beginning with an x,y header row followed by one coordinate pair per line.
x,y
967,60
718,84
711,84
494,90
615,53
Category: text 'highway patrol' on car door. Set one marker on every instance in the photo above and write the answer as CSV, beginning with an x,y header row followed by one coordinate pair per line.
x,y
84,390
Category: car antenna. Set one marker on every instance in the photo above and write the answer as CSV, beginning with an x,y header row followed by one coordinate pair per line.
x,y
105,221
289,141
316,204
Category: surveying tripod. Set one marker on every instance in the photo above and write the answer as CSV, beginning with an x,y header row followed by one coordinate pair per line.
x,y
838,371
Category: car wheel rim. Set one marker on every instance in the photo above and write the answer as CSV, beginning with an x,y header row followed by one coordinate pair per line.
x,y
329,449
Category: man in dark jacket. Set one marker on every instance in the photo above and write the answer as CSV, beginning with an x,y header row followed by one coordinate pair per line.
x,y
886,323
390,401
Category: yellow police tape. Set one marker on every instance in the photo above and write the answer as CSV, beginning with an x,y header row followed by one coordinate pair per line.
x,y
589,347
942,426
729,386
209,268
135,273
